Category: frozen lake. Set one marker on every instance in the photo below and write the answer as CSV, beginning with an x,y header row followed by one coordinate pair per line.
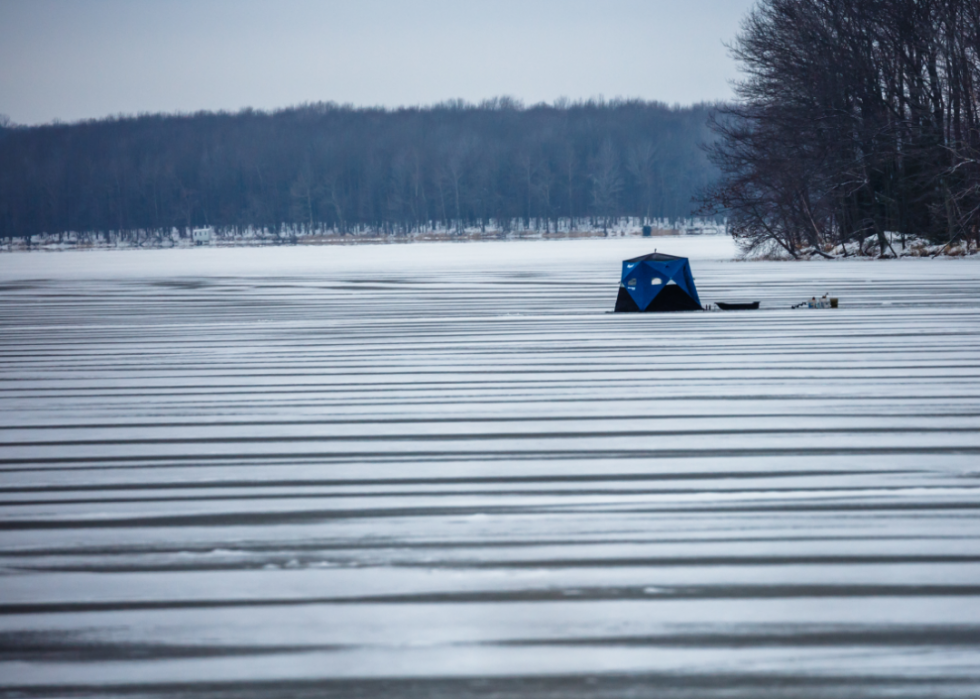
x,y
444,470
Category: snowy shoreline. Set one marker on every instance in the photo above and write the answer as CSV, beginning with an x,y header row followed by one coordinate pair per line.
x,y
910,248
315,235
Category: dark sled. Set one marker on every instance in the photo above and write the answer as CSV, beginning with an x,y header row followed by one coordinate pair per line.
x,y
754,306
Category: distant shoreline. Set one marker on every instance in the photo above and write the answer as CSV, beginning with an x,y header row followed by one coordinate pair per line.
x,y
913,248
250,238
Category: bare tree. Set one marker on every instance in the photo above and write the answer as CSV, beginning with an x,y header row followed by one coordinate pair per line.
x,y
857,117
607,183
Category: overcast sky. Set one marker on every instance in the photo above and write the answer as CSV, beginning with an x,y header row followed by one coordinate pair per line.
x,y
77,59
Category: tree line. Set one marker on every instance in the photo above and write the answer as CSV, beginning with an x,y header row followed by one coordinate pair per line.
x,y
325,166
854,119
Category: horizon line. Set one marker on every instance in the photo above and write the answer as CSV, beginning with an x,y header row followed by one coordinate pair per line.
x,y
497,103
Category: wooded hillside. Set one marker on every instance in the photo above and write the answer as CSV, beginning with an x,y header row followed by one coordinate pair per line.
x,y
451,165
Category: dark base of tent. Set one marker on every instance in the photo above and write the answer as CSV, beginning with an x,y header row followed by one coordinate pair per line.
x,y
672,298
625,302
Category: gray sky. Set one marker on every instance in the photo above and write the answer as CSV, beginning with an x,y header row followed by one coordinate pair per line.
x,y
76,59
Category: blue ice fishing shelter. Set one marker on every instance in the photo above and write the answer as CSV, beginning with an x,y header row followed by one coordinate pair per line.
x,y
657,282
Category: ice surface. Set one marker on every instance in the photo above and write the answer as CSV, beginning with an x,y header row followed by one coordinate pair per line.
x,y
445,470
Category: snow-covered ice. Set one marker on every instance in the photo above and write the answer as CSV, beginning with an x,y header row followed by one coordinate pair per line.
x,y
445,470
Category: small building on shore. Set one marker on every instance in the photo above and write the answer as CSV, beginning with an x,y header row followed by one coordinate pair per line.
x,y
202,236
